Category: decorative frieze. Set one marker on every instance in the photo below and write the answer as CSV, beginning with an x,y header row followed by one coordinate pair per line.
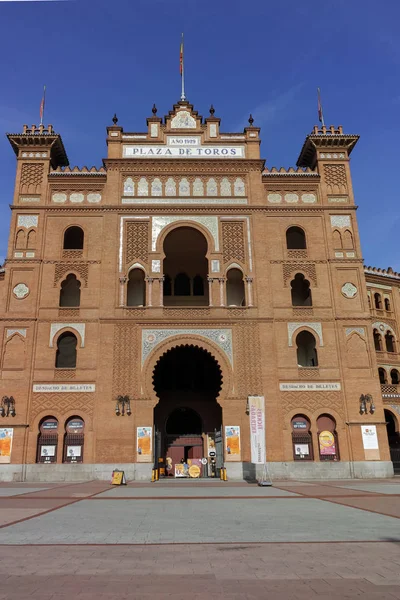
x,y
293,327
56,327
76,197
291,198
159,223
27,221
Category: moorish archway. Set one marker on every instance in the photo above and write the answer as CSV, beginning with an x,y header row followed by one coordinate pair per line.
x,y
187,380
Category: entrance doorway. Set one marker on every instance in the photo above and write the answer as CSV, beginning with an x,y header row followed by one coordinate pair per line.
x,y
392,428
187,380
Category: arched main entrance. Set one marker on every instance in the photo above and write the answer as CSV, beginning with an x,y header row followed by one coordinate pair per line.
x,y
187,380
392,428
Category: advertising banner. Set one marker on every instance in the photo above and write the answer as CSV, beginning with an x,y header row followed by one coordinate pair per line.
x,y
232,440
144,441
257,429
369,437
6,438
327,444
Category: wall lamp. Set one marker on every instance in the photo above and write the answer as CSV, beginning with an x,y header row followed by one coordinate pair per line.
x,y
7,407
365,400
247,406
122,403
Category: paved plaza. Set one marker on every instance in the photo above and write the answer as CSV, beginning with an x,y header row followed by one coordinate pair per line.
x,y
200,539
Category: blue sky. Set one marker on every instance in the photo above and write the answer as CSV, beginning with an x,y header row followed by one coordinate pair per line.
x,y
98,57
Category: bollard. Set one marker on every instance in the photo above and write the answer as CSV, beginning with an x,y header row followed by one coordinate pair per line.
x,y
221,474
157,474
225,475
153,477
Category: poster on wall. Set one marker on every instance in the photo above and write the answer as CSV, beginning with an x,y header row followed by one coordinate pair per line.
x,y
327,444
74,451
257,429
48,450
211,451
232,440
369,437
301,449
144,441
6,438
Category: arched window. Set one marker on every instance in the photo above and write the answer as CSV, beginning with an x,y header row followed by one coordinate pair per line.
x,y
136,292
378,341
73,440
337,240
167,286
235,295
369,301
31,240
378,301
348,240
301,438
382,375
390,343
47,440
73,238
66,351
306,350
394,374
198,286
182,285
327,438
387,304
70,292
301,293
295,239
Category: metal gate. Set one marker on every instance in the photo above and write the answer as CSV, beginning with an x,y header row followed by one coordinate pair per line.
x,y
219,451
395,458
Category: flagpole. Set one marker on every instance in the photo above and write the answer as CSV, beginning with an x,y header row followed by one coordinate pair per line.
x,y
320,112
42,105
183,97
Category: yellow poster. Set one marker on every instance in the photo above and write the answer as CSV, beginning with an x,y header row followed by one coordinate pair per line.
x,y
232,440
6,438
144,441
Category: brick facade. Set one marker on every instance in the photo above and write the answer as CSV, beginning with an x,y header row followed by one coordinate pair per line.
x,y
184,173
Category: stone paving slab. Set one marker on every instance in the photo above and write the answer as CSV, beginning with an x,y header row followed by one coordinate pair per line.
x,y
17,491
389,488
201,521
384,505
277,571
195,491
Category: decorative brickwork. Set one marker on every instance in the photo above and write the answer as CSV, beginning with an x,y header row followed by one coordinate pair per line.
x,y
308,373
188,313
76,267
68,312
335,177
233,241
60,404
297,253
126,360
72,254
247,365
290,269
312,401
31,178
62,374
137,241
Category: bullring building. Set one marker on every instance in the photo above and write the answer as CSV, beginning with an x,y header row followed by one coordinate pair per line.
x,y
149,305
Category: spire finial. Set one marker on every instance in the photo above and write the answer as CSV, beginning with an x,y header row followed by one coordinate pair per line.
x,y
115,119
212,110
251,120
154,110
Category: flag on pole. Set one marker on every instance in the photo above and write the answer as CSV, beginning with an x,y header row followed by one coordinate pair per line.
x,y
320,113
181,58
42,104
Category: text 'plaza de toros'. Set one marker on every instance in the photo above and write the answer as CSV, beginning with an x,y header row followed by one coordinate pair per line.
x,y
185,307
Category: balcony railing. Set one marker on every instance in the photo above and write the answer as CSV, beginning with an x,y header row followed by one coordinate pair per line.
x,y
390,390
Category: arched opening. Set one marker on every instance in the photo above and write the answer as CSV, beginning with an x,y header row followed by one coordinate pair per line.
x,y
66,351
378,301
301,292
327,438
392,429
70,292
295,239
47,440
378,341
306,350
136,289
382,376
188,419
235,294
387,305
186,265
390,343
73,238
301,438
394,375
73,440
